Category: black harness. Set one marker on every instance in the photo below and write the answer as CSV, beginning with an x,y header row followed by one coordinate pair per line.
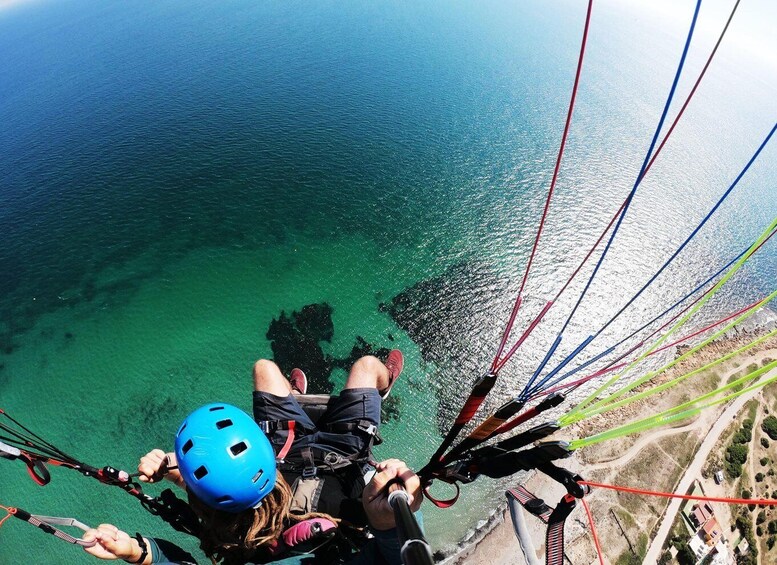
x,y
314,464
312,460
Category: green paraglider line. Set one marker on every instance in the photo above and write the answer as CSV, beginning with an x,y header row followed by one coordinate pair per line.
x,y
632,385
738,265
681,412
609,402
673,382
615,366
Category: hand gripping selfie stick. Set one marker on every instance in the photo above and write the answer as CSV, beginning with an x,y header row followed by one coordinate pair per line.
x,y
415,549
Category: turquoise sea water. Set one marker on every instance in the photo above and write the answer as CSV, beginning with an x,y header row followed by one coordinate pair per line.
x,y
173,175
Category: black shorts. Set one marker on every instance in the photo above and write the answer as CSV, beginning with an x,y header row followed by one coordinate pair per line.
x,y
353,405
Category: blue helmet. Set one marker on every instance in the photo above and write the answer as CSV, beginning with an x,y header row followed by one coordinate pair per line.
x,y
224,458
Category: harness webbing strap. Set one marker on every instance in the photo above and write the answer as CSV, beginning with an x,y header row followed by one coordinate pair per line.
x,y
517,441
272,426
479,392
530,502
554,537
289,440
308,462
315,459
485,430
515,422
555,518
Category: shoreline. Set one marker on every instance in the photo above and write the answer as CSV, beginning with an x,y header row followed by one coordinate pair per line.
x,y
494,542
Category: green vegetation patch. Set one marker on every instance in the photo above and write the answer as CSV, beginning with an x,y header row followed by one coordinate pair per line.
x,y
685,555
745,434
626,519
682,448
627,557
651,462
769,426
752,408
736,452
745,525
734,376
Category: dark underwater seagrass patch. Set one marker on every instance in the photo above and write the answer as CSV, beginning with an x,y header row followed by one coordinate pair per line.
x,y
296,341
449,316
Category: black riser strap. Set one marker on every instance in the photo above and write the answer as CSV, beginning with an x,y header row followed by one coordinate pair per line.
x,y
554,539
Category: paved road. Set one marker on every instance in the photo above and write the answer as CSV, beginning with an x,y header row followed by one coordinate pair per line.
x,y
693,471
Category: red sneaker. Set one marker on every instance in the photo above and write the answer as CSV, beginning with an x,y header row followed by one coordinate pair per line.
x,y
395,362
298,381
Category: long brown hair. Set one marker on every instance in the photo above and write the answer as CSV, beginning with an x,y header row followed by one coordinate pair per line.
x,y
234,538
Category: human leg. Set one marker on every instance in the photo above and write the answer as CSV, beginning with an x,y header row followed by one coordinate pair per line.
x,y
353,418
371,372
368,372
268,378
273,401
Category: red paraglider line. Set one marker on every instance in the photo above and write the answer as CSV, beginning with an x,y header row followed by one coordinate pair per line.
x,y
632,490
552,183
593,531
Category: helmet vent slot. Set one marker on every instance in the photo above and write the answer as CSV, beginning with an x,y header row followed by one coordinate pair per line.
x,y
264,484
182,429
238,448
187,446
257,476
214,408
223,499
200,472
221,424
